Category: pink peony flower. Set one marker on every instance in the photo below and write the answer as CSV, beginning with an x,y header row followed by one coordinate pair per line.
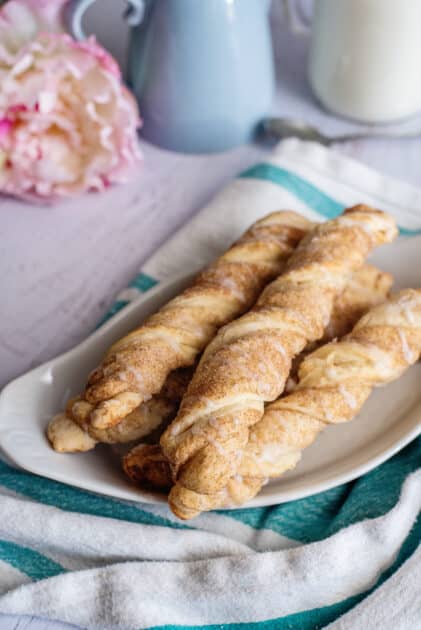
x,y
67,123
22,20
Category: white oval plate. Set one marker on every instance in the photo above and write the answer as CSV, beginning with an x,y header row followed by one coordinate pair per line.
x,y
389,420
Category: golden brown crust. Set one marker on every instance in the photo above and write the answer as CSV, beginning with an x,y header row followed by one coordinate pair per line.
x,y
334,382
136,367
147,466
151,416
367,287
147,420
248,362
65,436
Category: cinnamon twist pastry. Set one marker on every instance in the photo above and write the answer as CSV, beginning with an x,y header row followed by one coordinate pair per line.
x,y
136,367
71,431
70,434
65,436
334,382
147,466
248,362
367,287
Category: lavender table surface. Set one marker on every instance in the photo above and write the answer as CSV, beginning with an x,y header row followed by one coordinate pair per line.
x,y
62,266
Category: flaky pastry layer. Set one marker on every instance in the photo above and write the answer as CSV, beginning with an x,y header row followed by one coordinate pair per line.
x,y
146,464
136,367
248,362
334,382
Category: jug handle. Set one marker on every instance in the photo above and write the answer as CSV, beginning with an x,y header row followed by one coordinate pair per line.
x,y
297,21
76,9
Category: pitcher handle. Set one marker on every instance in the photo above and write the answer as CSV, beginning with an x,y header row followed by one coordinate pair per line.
x,y
76,9
297,21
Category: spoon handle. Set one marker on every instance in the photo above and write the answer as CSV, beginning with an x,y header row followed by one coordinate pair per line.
x,y
282,128
382,135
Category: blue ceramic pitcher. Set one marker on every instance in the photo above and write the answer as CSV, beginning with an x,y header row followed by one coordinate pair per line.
x,y
202,70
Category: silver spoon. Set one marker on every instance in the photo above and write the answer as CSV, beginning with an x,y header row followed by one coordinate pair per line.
x,y
281,128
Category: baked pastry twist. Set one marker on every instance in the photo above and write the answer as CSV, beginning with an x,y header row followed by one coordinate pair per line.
x,y
71,431
65,436
248,362
367,287
146,464
136,367
334,382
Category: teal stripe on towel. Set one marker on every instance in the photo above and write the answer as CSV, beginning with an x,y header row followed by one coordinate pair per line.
x,y
406,232
318,617
309,194
74,500
301,188
143,282
114,309
26,560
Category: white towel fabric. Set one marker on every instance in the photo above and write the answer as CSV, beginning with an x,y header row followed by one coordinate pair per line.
x,y
395,605
308,179
147,576
346,557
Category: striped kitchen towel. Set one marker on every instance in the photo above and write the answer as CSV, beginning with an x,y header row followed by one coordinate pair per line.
x,y
345,558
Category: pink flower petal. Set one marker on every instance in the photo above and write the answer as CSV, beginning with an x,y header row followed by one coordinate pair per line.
x,y
5,127
67,124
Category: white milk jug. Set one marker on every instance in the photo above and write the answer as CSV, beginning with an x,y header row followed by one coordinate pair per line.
x,y
365,58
